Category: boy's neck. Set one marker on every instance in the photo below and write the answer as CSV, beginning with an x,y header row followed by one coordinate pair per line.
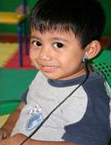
x,y
79,73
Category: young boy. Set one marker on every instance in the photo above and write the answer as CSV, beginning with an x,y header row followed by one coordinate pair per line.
x,y
64,36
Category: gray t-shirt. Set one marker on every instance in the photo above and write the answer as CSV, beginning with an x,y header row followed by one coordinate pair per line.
x,y
82,119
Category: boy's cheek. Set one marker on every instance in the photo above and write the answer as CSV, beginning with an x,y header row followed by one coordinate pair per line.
x,y
34,63
33,55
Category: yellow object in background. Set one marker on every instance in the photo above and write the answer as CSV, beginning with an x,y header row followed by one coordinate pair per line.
x,y
11,18
3,119
7,51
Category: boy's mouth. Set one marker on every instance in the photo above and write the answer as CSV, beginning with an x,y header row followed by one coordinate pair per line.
x,y
47,68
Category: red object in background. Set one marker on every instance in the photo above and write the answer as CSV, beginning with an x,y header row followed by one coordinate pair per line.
x,y
13,63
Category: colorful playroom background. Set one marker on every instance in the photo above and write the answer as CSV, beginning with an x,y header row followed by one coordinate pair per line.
x,y
15,78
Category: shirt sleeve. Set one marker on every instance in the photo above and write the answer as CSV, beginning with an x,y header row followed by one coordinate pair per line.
x,y
94,127
24,96
86,134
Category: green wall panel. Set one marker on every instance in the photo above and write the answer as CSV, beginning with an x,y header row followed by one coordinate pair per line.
x,y
107,7
14,84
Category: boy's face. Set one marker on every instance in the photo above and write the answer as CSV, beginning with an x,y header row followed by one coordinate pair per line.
x,y
57,54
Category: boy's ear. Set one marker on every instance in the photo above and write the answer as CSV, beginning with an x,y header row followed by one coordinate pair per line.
x,y
92,49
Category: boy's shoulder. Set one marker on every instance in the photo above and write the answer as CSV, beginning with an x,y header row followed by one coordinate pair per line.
x,y
96,77
97,85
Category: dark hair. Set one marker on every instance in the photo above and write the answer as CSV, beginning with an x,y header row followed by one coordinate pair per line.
x,y
86,18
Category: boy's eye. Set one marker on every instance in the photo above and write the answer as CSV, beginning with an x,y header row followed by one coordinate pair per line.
x,y
58,45
36,43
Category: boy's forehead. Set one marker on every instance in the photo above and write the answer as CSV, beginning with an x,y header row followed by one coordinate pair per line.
x,y
53,31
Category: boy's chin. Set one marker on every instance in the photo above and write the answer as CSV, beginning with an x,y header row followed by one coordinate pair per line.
x,y
55,76
51,76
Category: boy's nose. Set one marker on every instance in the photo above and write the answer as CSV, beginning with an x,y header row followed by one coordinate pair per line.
x,y
45,54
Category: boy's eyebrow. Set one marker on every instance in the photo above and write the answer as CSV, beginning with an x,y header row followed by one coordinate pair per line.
x,y
34,37
60,39
53,38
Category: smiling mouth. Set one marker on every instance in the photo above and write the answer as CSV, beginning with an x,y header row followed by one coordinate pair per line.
x,y
47,68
